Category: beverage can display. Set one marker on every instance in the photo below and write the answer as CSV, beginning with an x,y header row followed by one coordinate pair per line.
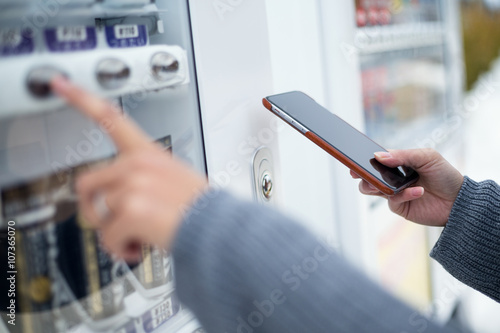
x,y
134,51
60,259
151,272
391,12
91,273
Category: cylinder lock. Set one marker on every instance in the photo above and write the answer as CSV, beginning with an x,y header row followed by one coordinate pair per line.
x,y
263,171
267,185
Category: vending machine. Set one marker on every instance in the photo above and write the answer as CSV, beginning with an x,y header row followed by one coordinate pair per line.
x,y
412,80
394,70
191,74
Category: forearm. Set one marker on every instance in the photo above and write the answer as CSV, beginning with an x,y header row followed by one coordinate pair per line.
x,y
469,247
243,266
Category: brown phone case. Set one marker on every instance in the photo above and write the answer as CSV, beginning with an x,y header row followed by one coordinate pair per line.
x,y
341,157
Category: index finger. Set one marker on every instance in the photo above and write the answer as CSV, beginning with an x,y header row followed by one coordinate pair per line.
x,y
124,133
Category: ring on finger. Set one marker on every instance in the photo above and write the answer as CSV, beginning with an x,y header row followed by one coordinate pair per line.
x,y
101,207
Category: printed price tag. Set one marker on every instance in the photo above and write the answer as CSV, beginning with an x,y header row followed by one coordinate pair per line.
x,y
164,309
122,35
13,41
71,34
160,314
126,31
70,39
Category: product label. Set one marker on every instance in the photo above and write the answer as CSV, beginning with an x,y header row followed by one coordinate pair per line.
x,y
126,35
126,31
71,34
160,314
69,39
13,41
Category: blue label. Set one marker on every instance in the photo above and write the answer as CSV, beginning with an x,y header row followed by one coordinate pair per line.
x,y
16,42
126,35
69,39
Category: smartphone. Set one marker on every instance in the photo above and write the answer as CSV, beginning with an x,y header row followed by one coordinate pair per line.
x,y
339,139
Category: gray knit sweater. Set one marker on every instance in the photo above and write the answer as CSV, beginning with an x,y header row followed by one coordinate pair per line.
x,y
469,246
244,268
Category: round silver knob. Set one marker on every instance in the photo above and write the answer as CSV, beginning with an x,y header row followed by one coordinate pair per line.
x,y
112,73
267,186
164,66
38,80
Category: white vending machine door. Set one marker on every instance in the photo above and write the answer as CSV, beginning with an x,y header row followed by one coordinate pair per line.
x,y
234,73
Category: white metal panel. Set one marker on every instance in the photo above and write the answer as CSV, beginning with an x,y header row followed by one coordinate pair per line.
x,y
297,61
234,74
343,97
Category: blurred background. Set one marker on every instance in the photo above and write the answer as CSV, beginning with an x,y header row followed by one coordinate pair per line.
x,y
481,35
481,39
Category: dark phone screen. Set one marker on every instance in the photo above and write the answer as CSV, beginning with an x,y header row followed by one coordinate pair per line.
x,y
342,136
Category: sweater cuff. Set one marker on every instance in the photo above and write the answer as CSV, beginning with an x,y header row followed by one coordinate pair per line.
x,y
469,246
207,206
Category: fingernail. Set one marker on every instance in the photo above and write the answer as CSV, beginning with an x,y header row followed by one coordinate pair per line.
x,y
371,187
417,191
383,154
59,84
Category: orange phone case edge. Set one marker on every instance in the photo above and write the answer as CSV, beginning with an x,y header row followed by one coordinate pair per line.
x,y
340,157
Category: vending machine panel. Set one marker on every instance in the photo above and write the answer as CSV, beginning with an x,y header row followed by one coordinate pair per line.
x,y
139,55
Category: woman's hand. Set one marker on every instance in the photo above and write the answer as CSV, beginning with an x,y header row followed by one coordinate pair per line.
x,y
141,196
430,201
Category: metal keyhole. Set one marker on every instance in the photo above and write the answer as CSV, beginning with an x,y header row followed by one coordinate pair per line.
x,y
267,186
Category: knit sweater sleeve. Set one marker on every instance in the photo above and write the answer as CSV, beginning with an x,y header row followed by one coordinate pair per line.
x,y
244,268
469,246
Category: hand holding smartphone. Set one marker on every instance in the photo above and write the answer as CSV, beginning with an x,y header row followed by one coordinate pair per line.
x,y
341,140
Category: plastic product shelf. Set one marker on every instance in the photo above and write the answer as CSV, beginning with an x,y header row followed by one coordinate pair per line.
x,y
398,37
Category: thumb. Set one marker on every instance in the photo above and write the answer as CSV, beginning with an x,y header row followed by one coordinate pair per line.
x,y
413,158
